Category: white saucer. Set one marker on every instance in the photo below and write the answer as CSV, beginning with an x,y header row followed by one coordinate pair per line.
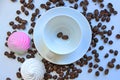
x,y
86,35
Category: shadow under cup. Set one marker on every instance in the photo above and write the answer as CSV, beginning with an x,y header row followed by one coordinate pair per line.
x,y
68,26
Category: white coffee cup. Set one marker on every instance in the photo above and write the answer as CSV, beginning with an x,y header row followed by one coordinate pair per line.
x,y
68,26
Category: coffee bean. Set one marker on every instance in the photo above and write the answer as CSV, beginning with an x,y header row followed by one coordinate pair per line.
x,y
110,65
18,12
89,70
99,24
115,52
65,37
8,77
8,33
113,60
94,0
28,56
30,31
95,66
111,51
22,1
118,36
101,47
110,42
118,66
101,68
42,5
106,71
30,1
22,8
106,55
55,77
84,8
59,35
18,74
11,23
101,5
108,19
6,44
90,64
13,0
112,28
75,6
103,27
100,1
97,60
105,40
71,1
33,24
97,73
109,33
96,12
115,12
37,11
109,5
26,13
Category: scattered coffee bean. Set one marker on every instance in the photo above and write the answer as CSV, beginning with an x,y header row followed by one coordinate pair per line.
x,y
113,60
8,77
89,70
106,55
97,73
101,68
26,13
18,74
65,37
30,31
110,42
106,71
59,35
101,47
95,66
101,5
115,52
11,23
118,36
111,51
110,65
118,66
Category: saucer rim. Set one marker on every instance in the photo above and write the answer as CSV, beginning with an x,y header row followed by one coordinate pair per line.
x,y
68,58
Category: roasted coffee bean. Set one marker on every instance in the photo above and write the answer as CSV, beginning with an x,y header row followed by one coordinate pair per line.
x,y
97,73
30,1
71,1
13,0
75,6
18,12
105,40
26,13
103,19
110,42
101,47
24,22
118,36
33,24
18,74
113,60
100,0
109,5
65,37
90,64
115,52
115,12
11,23
118,66
106,71
111,51
109,33
42,5
28,56
30,31
103,27
6,44
101,5
99,24
37,11
110,65
84,8
22,1
112,28
8,77
95,66
101,68
89,70
22,8
106,55
108,19
55,77
30,6
96,12
8,33
97,60
94,0
59,35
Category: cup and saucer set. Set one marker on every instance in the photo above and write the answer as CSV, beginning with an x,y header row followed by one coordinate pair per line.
x,y
49,36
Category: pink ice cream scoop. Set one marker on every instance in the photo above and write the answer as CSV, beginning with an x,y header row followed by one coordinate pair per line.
x,y
19,42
